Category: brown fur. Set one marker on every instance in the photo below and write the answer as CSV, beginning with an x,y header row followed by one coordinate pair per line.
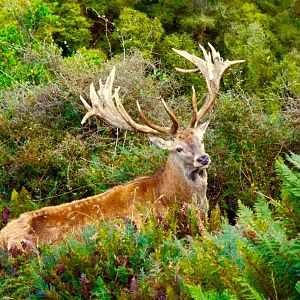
x,y
55,223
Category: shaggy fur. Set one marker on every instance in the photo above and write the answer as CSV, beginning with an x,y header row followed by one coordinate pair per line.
x,y
181,180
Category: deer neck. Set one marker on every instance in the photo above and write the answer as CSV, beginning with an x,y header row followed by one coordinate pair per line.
x,y
184,181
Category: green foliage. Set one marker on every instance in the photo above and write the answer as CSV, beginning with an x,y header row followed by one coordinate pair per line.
x,y
243,149
289,208
252,45
287,81
198,24
49,54
71,29
102,174
38,19
197,293
21,202
9,35
169,12
215,219
138,31
108,8
258,32
17,37
171,60
178,41
91,56
256,259
273,249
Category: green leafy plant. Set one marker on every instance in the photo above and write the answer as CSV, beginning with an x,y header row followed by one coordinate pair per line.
x,y
288,208
139,31
49,54
255,259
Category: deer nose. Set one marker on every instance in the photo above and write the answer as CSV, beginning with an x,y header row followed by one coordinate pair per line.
x,y
203,159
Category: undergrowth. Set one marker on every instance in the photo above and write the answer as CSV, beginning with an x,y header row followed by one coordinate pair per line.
x,y
166,258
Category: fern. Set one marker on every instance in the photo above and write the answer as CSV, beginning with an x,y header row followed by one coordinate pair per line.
x,y
290,177
197,293
289,208
269,252
294,159
259,258
100,290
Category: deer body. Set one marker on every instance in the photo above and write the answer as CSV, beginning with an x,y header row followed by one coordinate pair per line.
x,y
178,181
183,179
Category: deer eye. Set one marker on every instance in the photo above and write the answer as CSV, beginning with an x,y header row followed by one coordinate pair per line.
x,y
179,149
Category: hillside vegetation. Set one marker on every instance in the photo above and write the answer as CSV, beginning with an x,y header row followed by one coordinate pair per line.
x,y
50,51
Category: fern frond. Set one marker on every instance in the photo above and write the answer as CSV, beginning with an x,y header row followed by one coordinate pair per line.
x,y
294,159
287,175
245,214
197,293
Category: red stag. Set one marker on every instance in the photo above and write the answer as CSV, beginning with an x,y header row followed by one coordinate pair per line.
x,y
183,178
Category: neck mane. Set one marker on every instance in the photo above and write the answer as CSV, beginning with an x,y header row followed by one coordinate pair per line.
x,y
184,183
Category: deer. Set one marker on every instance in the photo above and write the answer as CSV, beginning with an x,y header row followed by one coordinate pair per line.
x,y
183,179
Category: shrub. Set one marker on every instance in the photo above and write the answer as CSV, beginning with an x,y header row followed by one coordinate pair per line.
x,y
253,46
18,36
288,78
288,209
243,144
256,259
138,31
48,152
71,30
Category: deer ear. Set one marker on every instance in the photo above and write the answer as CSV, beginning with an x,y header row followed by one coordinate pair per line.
x,y
202,127
200,130
161,143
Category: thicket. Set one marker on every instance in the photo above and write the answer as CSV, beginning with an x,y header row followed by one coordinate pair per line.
x,y
258,258
51,51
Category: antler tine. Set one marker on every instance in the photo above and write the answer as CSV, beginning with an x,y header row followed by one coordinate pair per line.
x,y
103,104
212,68
133,125
195,109
167,130
108,107
175,125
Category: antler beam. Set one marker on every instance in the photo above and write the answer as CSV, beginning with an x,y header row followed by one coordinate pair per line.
x,y
211,67
108,106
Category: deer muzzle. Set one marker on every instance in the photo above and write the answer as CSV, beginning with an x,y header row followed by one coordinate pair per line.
x,y
202,161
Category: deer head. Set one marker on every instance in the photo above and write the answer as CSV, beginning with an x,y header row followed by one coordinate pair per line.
x,y
186,145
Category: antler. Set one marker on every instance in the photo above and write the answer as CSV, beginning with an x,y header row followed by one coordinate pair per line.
x,y
108,106
212,68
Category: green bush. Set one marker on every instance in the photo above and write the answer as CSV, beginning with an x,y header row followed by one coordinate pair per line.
x,y
71,30
289,209
243,144
253,46
170,59
256,259
49,54
138,31
288,78
18,38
